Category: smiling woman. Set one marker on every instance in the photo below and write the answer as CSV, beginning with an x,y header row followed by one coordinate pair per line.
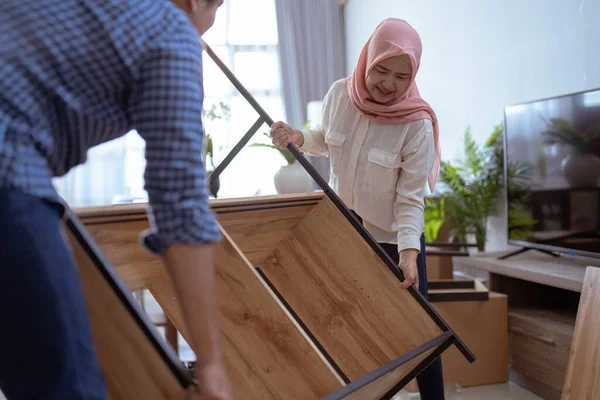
x,y
381,138
389,79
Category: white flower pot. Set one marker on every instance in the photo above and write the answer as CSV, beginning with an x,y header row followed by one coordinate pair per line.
x,y
292,178
582,170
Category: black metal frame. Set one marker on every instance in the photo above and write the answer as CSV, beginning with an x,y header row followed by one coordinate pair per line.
x,y
442,342
76,227
333,197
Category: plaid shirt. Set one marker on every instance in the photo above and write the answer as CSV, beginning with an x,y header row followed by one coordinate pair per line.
x,y
77,73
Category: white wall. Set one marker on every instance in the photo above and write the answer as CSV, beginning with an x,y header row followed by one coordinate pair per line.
x,y
481,55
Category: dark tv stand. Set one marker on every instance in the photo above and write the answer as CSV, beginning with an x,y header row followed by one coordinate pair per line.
x,y
523,250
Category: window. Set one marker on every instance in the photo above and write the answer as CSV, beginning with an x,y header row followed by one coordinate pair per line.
x,y
244,37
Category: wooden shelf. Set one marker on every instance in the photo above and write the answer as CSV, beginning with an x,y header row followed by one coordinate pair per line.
x,y
559,272
543,297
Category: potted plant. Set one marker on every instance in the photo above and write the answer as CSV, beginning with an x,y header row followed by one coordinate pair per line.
x,y
209,157
291,177
217,111
582,167
474,184
434,216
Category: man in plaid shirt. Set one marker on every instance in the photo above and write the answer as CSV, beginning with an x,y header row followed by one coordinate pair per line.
x,y
74,74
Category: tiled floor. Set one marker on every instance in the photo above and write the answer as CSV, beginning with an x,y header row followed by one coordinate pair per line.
x,y
506,391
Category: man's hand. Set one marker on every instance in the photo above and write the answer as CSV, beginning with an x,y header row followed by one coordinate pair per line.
x,y
211,383
408,265
192,269
282,134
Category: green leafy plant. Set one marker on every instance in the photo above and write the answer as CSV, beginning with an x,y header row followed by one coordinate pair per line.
x,y
435,216
217,111
560,131
473,186
520,223
289,157
208,150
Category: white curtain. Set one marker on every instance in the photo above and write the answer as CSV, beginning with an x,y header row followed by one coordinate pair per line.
x,y
312,53
311,47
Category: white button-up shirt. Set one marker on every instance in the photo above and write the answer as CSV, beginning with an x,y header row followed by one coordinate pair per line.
x,y
379,171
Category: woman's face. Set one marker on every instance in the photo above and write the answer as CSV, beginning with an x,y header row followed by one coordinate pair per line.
x,y
389,79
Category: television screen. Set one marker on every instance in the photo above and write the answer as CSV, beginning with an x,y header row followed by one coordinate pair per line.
x,y
552,156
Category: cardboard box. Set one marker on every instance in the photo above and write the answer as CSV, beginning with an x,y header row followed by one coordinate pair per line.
x,y
483,326
439,267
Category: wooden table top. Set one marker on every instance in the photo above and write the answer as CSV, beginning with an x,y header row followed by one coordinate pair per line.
x,y
563,272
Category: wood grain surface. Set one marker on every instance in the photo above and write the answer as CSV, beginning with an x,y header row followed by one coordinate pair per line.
x,y
344,293
539,343
267,355
133,369
582,381
258,232
119,242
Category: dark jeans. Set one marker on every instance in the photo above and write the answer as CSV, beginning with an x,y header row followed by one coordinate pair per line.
x,y
431,380
46,345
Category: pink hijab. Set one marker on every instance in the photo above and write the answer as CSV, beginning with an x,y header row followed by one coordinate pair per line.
x,y
391,38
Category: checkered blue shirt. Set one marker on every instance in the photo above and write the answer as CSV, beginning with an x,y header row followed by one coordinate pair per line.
x,y
77,73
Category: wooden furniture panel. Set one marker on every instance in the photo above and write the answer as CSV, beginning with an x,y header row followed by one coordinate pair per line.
x,y
273,348
387,380
120,245
533,266
132,366
582,377
539,344
456,290
527,294
543,297
439,267
385,383
350,301
267,354
258,232
483,325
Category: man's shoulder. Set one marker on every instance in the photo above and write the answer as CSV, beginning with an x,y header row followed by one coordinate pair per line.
x,y
146,25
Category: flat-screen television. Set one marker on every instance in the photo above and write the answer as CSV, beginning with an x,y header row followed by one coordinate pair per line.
x,y
552,174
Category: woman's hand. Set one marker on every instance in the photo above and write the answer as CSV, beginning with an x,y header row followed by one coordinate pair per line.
x,y
282,135
408,265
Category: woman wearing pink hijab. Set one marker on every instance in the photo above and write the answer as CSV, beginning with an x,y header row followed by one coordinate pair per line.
x,y
382,141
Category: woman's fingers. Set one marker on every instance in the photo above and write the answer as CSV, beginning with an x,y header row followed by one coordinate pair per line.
x,y
281,134
411,275
278,138
407,282
276,125
282,142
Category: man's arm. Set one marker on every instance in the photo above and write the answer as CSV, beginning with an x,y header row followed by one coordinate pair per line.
x,y
192,270
165,107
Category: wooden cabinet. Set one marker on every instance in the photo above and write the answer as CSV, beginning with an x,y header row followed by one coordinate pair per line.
x,y
539,344
483,327
543,298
